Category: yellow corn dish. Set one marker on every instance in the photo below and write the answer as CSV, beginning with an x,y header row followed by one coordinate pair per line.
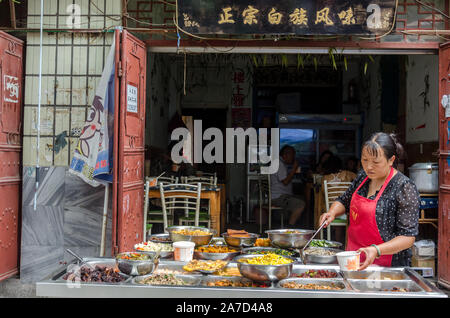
x,y
192,233
215,249
267,259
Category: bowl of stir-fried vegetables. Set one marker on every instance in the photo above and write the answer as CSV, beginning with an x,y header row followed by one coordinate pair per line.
x,y
133,263
267,250
264,268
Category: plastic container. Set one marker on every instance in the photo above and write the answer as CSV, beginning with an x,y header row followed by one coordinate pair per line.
x,y
424,248
183,251
349,260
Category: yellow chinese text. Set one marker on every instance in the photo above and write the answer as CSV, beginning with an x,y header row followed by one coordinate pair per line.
x,y
322,16
298,17
226,16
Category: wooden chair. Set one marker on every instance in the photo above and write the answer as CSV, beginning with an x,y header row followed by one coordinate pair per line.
x,y
167,180
180,197
332,191
203,216
206,182
210,181
155,215
265,200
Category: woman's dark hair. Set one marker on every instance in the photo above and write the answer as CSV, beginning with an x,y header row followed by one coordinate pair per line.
x,y
332,165
387,142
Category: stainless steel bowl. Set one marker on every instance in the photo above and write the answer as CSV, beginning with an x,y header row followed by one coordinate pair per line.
x,y
263,273
197,239
163,254
154,238
321,259
137,267
283,239
240,241
220,241
260,249
216,256
333,244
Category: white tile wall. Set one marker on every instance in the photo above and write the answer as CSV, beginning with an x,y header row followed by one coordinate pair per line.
x,y
64,60
48,65
71,74
32,88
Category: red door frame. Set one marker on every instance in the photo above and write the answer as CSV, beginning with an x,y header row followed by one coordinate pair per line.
x,y
444,169
129,129
11,108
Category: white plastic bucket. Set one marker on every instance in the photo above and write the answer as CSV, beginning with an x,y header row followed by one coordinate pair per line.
x,y
183,251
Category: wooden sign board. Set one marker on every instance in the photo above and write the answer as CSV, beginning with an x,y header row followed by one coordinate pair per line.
x,y
295,17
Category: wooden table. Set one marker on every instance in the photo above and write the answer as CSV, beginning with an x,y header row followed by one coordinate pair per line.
x,y
214,195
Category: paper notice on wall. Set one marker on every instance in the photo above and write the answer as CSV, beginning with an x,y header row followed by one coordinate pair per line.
x,y
132,99
446,104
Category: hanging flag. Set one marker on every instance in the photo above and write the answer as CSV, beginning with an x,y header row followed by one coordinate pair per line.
x,y
93,156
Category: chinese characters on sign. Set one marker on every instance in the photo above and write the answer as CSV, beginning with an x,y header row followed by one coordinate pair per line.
x,y
287,17
11,89
241,110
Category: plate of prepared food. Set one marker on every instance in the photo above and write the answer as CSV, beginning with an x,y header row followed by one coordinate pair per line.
x,y
216,252
166,250
167,280
217,281
315,273
309,284
205,266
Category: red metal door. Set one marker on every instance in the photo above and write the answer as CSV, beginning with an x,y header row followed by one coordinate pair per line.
x,y
444,165
11,92
128,192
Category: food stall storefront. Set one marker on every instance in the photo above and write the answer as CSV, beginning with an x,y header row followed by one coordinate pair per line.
x,y
128,224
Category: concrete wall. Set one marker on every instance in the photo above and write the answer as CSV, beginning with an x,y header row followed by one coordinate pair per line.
x,y
68,211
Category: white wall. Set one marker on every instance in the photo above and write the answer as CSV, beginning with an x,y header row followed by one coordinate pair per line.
x,y
418,68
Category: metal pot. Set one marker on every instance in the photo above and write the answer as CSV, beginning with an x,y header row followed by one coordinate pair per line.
x,y
425,176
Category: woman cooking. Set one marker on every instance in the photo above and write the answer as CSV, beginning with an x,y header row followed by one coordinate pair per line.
x,y
383,206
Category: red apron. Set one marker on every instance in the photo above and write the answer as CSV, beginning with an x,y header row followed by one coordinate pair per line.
x,y
363,230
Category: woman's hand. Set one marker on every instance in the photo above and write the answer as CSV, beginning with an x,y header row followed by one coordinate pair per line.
x,y
371,254
328,217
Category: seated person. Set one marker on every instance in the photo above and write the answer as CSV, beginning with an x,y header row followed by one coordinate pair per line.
x,y
281,186
332,169
324,156
353,164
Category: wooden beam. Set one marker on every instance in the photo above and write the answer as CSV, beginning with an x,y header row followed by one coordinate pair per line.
x,y
427,32
294,44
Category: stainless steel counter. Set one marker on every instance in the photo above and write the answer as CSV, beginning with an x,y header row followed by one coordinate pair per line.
x,y
370,286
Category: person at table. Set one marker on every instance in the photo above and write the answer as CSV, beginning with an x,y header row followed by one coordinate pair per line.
x,y
353,164
324,156
281,186
383,206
